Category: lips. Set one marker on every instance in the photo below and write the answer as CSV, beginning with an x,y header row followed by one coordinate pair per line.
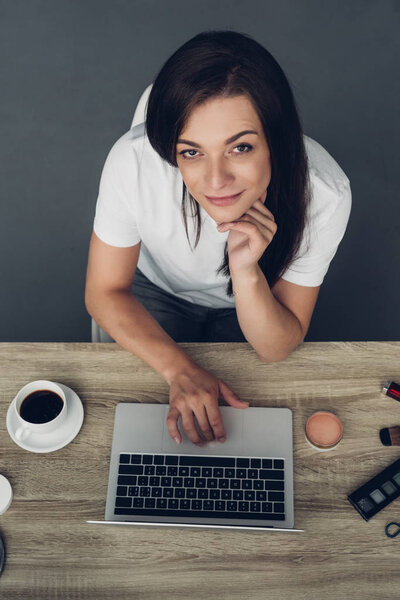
x,y
225,200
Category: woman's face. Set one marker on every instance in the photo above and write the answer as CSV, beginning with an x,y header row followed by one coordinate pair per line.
x,y
214,165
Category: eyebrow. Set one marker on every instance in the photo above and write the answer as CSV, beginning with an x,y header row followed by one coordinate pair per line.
x,y
228,141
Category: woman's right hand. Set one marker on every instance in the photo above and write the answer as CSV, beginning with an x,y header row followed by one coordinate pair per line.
x,y
194,392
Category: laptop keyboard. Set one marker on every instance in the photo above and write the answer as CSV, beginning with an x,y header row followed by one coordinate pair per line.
x,y
201,486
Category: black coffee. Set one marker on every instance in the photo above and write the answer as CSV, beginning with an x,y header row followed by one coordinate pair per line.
x,y
41,406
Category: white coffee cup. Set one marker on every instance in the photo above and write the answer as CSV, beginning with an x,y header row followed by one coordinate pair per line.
x,y
26,427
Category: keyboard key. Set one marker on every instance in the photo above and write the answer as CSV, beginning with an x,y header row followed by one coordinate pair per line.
x,y
130,470
188,481
237,494
246,484
223,483
154,481
252,474
232,506
144,491
166,481
138,502
218,472
173,503
226,494
127,479
150,502
147,459
134,491
266,463
255,506
212,483
149,470
143,480
184,471
258,484
271,474
241,473
161,503
168,492
279,507
126,502
266,507
273,485
262,496
235,484
136,459
122,490
156,492
179,492
255,463
161,470
177,481
197,504
172,471
243,506
206,461
200,482
158,460
195,472
206,472
191,493
202,493
276,496
208,504
242,462
184,504
124,458
171,460
215,494
249,495
220,505
230,473
278,464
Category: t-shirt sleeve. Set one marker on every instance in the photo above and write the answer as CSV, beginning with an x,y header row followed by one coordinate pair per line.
x,y
323,233
115,221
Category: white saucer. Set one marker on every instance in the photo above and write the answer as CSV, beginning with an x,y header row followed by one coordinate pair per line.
x,y
54,440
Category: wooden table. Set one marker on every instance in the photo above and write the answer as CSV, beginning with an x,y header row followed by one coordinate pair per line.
x,y
52,553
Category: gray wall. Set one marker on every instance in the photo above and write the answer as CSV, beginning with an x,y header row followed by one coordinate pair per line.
x,y
71,75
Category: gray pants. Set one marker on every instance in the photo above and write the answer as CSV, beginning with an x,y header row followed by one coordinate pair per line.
x,y
184,321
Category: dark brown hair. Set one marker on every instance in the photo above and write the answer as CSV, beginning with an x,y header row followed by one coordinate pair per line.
x,y
226,64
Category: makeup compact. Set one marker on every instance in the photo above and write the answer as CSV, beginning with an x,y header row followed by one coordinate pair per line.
x,y
324,430
378,492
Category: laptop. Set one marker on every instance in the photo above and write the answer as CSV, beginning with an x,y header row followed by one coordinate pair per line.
x,y
245,482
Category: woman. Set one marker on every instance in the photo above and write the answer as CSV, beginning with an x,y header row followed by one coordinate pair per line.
x,y
245,261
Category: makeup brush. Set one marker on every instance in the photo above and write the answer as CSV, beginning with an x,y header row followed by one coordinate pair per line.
x,y
390,436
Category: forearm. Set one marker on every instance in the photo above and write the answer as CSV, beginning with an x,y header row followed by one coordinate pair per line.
x,y
126,320
271,329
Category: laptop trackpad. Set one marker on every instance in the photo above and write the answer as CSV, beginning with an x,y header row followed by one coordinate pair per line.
x,y
233,423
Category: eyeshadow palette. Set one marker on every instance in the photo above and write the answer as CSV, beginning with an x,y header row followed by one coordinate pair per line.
x,y
378,492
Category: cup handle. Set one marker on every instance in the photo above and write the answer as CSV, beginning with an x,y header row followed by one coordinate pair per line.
x,y
22,433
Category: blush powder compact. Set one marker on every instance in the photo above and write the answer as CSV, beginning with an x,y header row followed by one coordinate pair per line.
x,y
324,430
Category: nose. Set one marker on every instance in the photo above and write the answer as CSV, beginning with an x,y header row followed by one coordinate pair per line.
x,y
217,175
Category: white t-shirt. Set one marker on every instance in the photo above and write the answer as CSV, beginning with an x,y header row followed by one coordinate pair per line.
x,y
140,199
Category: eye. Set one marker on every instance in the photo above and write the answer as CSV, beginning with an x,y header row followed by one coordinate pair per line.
x,y
244,146
249,147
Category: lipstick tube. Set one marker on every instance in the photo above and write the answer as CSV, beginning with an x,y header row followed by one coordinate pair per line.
x,y
392,389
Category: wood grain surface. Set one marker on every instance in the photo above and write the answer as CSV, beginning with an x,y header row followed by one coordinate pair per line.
x,y
52,553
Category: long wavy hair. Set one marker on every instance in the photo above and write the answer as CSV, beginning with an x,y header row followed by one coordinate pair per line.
x,y
226,64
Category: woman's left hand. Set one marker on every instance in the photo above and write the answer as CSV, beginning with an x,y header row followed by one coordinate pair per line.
x,y
249,236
